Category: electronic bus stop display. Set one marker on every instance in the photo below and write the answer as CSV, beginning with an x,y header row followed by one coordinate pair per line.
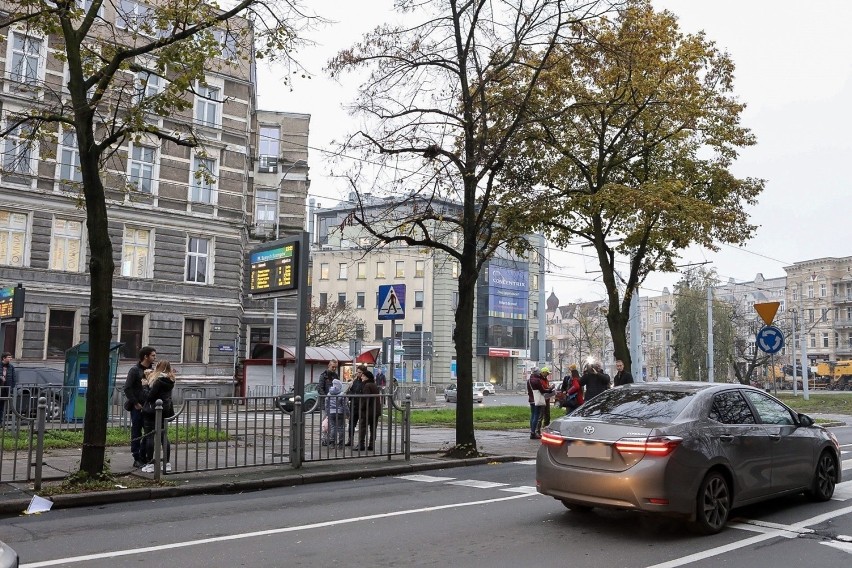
x,y
274,268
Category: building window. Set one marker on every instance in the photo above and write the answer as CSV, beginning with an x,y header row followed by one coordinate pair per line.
x,y
418,299
535,309
455,300
343,271
658,316
362,271
824,340
130,14
419,268
810,316
202,180
795,294
193,341
269,143
60,332
658,334
324,271
323,300
18,152
136,253
257,336
380,269
813,341
69,159
197,260
142,168
418,327
148,86
822,290
264,207
533,281
132,328
13,238
26,59
668,335
825,314
810,290
400,269
207,104
360,299
66,244
379,332
341,299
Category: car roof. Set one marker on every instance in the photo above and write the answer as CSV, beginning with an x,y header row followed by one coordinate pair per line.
x,y
686,386
39,375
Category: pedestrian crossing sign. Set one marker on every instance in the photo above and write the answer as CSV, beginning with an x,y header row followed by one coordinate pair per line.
x,y
392,302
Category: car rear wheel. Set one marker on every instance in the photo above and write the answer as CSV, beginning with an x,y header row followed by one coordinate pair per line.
x,y
713,504
576,508
822,487
310,405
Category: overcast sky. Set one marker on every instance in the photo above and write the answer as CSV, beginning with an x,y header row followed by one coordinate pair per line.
x,y
793,70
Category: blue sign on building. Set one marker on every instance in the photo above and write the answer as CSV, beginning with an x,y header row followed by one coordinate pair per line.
x,y
508,293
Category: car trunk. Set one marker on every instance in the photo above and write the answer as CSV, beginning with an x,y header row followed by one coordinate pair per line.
x,y
591,444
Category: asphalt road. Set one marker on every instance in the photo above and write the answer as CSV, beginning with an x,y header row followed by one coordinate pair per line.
x,y
477,516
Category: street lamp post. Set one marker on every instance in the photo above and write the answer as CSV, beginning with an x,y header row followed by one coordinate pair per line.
x,y
297,163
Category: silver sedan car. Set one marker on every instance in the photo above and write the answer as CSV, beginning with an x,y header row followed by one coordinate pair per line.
x,y
451,394
692,450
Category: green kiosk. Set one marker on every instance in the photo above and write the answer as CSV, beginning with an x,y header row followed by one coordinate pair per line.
x,y
77,376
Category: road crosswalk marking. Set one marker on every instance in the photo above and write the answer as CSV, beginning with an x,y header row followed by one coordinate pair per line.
x,y
425,478
522,489
476,483
842,491
525,462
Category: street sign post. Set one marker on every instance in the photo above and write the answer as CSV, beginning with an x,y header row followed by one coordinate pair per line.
x,y
392,307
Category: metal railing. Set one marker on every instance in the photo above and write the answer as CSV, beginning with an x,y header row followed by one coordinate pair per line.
x,y
210,433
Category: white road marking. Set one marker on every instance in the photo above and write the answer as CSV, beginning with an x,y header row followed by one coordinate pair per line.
x,y
477,484
425,478
767,527
522,489
525,462
842,491
844,546
847,464
751,541
268,532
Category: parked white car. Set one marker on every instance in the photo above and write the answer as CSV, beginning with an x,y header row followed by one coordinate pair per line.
x,y
451,394
486,388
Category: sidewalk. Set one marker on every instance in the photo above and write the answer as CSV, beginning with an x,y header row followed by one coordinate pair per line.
x,y
426,454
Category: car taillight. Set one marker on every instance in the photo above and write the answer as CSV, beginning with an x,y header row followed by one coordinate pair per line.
x,y
552,439
658,446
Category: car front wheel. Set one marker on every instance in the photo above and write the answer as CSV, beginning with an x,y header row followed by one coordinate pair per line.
x,y
713,504
822,486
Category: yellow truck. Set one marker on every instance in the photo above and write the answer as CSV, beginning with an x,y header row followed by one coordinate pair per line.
x,y
837,373
783,377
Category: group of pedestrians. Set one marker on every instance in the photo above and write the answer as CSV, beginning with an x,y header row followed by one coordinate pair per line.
x,y
361,404
575,390
147,382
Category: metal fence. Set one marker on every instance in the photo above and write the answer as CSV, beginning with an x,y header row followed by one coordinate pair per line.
x,y
206,433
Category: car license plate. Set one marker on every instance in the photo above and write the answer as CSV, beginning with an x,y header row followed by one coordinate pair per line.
x,y
589,450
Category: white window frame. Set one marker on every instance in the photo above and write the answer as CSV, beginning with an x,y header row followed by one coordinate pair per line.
x,y
343,271
208,100
380,269
324,268
228,41
399,269
419,268
134,247
19,155
133,9
60,237
40,55
265,206
68,158
85,5
147,85
195,255
14,228
199,186
138,163
362,271
266,145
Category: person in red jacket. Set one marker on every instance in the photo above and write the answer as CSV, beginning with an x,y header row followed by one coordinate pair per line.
x,y
573,390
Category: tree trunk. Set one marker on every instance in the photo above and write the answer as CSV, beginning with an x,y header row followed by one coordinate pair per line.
x,y
101,268
465,435
617,323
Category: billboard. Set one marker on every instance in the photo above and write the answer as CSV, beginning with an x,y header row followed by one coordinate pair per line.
x,y
508,293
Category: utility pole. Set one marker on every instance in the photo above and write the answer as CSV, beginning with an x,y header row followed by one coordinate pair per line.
x,y
635,323
710,369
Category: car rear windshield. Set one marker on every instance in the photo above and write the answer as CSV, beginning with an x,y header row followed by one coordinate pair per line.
x,y
637,404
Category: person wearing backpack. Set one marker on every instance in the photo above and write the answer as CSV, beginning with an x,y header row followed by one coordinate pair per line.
x,y
371,409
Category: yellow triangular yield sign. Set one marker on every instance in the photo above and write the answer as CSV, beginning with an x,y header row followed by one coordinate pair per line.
x,y
767,311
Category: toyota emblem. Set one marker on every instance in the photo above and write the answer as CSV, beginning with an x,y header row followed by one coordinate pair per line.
x,y
589,430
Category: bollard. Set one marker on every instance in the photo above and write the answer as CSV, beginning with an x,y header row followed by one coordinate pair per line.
x,y
41,413
296,434
158,446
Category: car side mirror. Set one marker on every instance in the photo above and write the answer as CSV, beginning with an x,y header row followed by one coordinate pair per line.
x,y
805,420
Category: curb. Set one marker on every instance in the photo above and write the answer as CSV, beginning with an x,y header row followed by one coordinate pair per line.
x,y
17,506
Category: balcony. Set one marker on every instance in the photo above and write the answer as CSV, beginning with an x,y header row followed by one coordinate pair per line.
x,y
841,299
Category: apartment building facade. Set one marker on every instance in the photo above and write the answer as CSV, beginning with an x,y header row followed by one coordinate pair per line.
x,y
177,217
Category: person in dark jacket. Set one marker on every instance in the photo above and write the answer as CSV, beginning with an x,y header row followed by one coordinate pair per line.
x,y
136,400
537,402
357,387
326,378
622,377
162,385
370,411
7,383
593,381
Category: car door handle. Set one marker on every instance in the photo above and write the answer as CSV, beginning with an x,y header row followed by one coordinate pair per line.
x,y
726,438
